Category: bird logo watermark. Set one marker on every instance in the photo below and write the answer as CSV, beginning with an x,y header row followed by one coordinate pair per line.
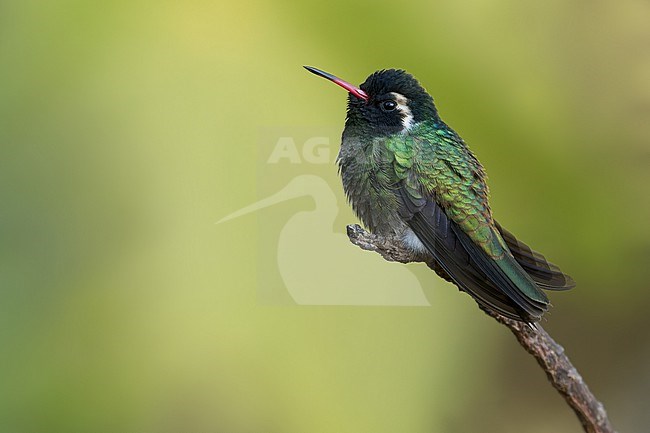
x,y
304,256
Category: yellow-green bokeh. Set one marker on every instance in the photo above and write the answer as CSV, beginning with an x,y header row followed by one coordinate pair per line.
x,y
127,128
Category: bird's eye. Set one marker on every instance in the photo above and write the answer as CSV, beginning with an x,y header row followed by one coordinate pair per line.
x,y
388,105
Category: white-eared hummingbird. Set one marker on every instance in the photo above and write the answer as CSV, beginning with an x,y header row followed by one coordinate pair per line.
x,y
409,175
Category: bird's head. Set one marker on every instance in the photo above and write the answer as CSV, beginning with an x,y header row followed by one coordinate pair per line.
x,y
390,101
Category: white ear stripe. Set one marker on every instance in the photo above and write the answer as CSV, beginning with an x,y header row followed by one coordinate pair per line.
x,y
402,105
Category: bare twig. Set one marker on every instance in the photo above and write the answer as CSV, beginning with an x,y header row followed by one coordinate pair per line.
x,y
549,355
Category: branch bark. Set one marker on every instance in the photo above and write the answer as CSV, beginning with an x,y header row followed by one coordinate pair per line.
x,y
549,355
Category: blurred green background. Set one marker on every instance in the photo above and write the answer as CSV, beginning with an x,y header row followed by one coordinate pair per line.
x,y
127,128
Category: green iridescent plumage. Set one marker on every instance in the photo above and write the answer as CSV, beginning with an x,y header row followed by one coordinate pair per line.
x,y
431,160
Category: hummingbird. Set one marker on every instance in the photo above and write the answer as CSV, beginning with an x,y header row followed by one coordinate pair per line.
x,y
410,176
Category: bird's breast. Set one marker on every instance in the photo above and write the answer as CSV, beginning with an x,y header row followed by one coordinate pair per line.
x,y
369,184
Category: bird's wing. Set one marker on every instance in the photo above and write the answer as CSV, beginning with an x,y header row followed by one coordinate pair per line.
x,y
443,198
436,231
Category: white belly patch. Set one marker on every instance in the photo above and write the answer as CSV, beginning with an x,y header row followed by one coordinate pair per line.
x,y
412,242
